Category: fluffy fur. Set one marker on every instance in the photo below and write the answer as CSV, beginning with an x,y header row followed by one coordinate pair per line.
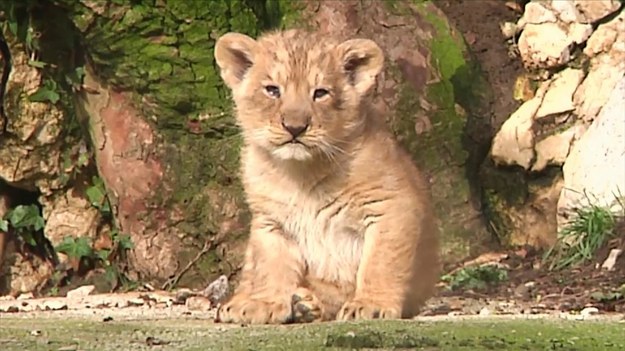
x,y
342,226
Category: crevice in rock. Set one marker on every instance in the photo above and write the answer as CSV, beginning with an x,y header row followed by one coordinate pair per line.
x,y
6,69
14,197
608,18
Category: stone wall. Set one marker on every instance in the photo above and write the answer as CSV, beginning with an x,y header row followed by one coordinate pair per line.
x,y
572,119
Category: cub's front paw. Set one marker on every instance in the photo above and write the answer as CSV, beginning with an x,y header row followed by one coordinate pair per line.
x,y
254,311
362,309
306,307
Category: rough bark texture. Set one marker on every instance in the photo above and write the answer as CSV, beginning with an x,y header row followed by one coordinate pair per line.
x,y
160,125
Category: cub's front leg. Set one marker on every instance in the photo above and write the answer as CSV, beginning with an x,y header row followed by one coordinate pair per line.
x,y
386,270
272,271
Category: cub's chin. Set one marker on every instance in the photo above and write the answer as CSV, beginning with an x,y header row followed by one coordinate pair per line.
x,y
292,152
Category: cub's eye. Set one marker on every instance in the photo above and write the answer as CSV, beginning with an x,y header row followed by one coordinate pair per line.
x,y
319,93
272,91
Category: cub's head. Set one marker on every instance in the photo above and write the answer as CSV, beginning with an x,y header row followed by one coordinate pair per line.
x,y
298,95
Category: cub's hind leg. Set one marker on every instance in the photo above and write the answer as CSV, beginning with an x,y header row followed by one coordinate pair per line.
x,y
272,271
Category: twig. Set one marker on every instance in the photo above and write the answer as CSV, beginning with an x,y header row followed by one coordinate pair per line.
x,y
171,282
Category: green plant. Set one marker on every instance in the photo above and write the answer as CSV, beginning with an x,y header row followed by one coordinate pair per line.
x,y
97,196
26,220
589,228
476,277
607,296
78,248
47,92
82,252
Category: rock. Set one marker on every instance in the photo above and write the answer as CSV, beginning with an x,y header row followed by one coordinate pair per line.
x,y
508,29
162,297
544,45
565,10
70,215
217,290
522,291
595,90
183,294
579,32
537,13
514,143
485,312
594,169
559,97
607,48
26,296
54,304
198,303
606,36
80,292
25,274
554,149
535,224
594,10
136,301
610,262
588,311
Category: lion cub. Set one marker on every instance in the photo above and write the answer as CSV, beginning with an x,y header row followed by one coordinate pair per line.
x,y
342,226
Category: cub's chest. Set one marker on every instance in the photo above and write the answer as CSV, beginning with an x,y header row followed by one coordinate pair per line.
x,y
328,234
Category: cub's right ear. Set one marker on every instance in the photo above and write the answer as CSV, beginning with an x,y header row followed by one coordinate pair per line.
x,y
234,54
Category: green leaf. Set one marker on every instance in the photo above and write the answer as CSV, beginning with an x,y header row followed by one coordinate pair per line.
x,y
26,216
44,94
103,255
4,225
28,238
75,247
125,242
83,159
66,245
76,77
95,195
13,27
37,64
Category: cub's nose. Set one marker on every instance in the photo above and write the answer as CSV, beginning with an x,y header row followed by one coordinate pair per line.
x,y
295,129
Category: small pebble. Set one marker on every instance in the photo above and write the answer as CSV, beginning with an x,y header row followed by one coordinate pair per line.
x,y
588,311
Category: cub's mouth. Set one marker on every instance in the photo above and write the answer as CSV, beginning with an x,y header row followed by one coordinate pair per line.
x,y
291,142
293,149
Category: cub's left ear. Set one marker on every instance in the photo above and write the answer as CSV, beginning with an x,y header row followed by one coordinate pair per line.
x,y
362,61
234,54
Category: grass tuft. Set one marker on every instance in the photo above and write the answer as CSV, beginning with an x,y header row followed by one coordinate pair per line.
x,y
589,229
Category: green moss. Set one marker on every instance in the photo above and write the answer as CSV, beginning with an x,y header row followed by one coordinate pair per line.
x,y
163,52
504,191
441,151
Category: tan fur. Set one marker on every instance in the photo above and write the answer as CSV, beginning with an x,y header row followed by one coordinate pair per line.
x,y
342,225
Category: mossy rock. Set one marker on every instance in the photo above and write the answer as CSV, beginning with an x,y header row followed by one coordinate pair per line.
x,y
437,123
